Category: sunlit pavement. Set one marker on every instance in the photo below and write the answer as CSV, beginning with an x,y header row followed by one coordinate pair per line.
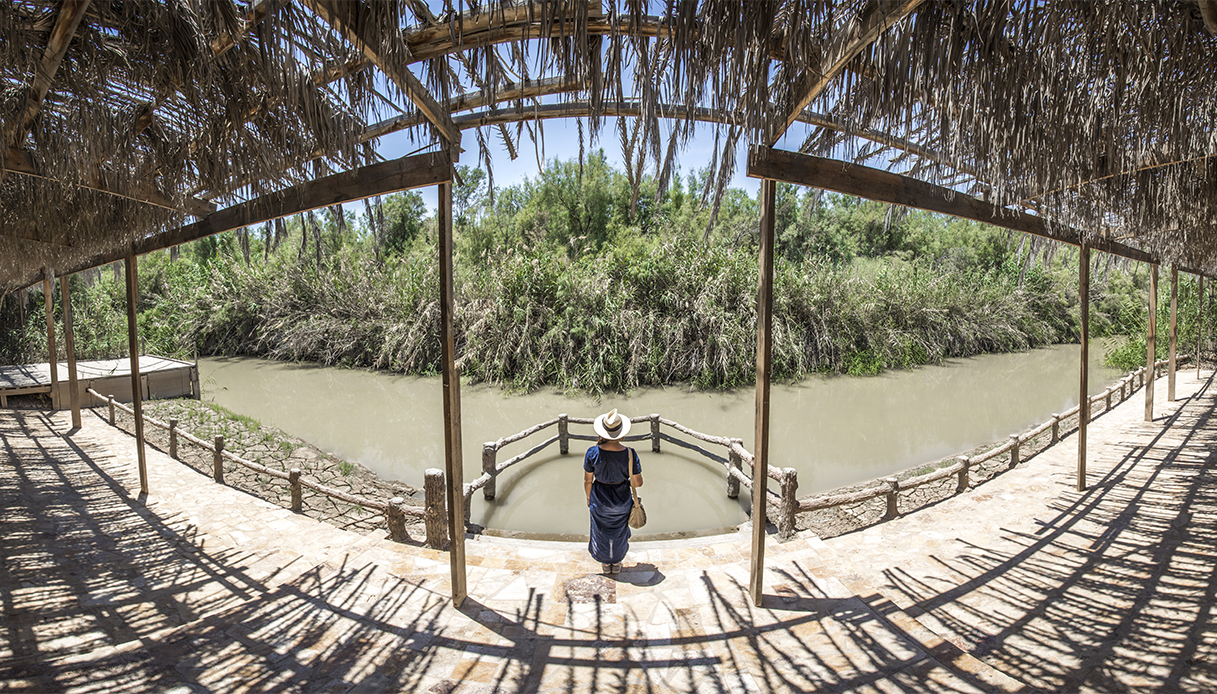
x,y
1111,589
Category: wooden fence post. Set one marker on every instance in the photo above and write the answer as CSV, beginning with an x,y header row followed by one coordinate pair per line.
x,y
1107,398
789,485
737,463
1151,344
217,461
563,434
1056,427
436,515
297,493
893,486
654,433
489,453
173,439
1014,444
964,481
111,401
1173,338
395,518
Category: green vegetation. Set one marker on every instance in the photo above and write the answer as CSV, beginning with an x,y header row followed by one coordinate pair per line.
x,y
572,280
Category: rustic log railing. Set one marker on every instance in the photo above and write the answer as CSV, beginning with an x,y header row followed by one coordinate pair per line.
x,y
735,462
395,510
891,487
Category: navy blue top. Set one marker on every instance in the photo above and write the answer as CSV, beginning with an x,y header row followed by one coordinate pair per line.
x,y
610,467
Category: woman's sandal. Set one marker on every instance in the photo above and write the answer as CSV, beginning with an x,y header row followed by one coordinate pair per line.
x,y
616,568
607,568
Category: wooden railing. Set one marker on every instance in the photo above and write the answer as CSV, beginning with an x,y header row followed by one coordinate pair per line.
x,y
735,462
784,506
395,510
891,487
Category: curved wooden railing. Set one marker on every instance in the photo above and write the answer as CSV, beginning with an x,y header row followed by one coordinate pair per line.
x,y
395,509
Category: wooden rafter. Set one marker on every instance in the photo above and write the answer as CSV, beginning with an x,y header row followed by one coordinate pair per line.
x,y
844,46
1150,165
343,16
18,161
70,15
885,186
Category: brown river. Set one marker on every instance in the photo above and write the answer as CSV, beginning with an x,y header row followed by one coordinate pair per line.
x,y
835,430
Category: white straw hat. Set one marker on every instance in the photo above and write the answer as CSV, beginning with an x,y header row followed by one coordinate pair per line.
x,y
612,426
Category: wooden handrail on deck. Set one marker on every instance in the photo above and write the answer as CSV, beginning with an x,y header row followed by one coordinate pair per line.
x,y
394,509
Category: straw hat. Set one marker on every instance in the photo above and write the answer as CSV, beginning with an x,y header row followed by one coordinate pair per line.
x,y
612,426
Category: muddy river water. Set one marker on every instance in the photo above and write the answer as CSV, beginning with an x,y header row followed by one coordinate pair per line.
x,y
835,431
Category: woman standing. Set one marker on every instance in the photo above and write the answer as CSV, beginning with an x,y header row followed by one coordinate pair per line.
x,y
606,481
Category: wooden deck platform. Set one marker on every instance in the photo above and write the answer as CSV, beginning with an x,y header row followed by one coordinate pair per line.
x,y
161,377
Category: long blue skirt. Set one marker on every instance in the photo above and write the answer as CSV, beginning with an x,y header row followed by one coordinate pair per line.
x,y
610,512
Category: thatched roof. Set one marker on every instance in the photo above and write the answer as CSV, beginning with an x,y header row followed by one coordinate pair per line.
x,y
123,119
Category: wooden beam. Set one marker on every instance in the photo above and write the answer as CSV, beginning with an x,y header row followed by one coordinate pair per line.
x,y
453,460
344,17
1151,340
378,179
19,161
1174,335
764,353
69,346
48,297
1199,324
71,12
1084,392
137,405
855,36
884,186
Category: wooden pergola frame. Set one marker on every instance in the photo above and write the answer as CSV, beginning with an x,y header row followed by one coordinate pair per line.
x,y
509,24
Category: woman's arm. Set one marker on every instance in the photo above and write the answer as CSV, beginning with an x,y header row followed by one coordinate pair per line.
x,y
638,480
588,478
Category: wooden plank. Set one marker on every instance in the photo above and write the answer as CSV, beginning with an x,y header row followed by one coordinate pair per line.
x,y
1174,335
48,296
764,352
69,345
133,347
855,36
885,186
1084,370
344,16
1151,341
1199,325
71,12
454,468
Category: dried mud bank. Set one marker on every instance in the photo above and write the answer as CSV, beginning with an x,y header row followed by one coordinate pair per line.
x,y
268,446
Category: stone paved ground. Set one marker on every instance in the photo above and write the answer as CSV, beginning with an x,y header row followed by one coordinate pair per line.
x,y
201,587
1107,590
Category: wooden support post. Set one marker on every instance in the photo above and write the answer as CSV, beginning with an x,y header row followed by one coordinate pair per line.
x,y
173,439
436,516
790,503
964,480
293,479
395,518
217,460
69,345
137,405
893,509
48,296
1084,367
1174,336
1151,343
1014,445
489,453
452,400
737,463
1056,427
563,434
1199,323
111,401
764,352
654,433
1107,398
